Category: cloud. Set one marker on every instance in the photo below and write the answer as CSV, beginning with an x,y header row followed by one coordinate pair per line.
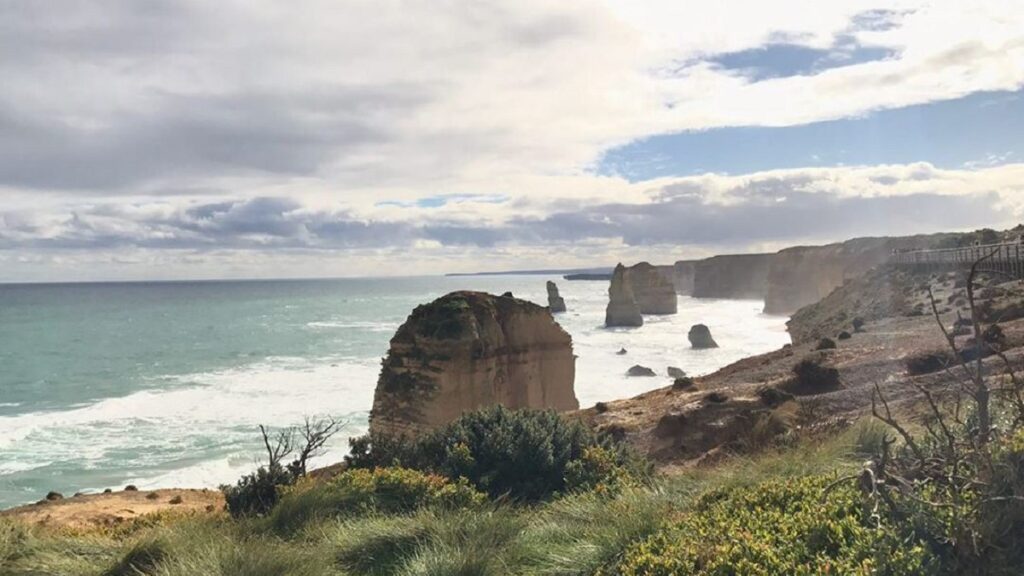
x,y
427,129
793,205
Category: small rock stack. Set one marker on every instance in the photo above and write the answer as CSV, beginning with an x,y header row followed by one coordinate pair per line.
x,y
555,302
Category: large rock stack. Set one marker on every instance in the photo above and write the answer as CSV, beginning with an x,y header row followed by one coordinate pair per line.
x,y
468,350
555,302
622,307
652,289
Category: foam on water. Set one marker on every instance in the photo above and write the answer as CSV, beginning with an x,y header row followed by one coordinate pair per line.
x,y
165,385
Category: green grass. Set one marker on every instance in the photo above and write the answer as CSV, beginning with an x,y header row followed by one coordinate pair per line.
x,y
322,534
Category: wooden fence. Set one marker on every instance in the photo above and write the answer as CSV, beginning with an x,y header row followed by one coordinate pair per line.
x,y
1002,259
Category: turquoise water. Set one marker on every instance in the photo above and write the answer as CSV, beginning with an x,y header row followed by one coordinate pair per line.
x,y
163,384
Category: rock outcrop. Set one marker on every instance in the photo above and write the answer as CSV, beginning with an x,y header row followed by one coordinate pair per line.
x,y
700,337
732,276
638,370
652,289
555,302
622,306
468,350
675,372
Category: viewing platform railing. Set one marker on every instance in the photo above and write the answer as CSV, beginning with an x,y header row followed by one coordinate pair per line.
x,y
1004,259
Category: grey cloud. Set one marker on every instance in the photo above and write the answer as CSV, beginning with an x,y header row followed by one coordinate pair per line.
x,y
197,135
772,209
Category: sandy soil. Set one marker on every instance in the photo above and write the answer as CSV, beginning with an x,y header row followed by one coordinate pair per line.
x,y
111,509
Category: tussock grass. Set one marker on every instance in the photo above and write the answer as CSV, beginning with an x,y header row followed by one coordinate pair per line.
x,y
576,534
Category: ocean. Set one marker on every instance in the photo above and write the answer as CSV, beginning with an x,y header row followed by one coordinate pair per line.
x,y
164,384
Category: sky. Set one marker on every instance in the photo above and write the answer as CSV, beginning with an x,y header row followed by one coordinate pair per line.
x,y
253,138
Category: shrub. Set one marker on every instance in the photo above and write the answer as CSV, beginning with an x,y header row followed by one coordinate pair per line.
x,y
825,344
810,376
684,383
844,335
257,493
355,492
779,527
927,362
523,454
858,324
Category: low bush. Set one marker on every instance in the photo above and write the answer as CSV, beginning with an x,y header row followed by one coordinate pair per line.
x,y
256,494
778,527
684,383
811,376
524,454
361,491
825,344
927,362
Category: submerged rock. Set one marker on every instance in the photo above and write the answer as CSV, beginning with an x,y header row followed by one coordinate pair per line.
x,y
468,350
555,302
622,307
622,352
700,337
639,370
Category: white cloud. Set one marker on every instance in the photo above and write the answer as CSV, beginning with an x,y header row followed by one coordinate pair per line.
x,y
338,106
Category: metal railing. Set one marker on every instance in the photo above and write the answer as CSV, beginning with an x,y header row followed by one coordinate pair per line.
x,y
1005,259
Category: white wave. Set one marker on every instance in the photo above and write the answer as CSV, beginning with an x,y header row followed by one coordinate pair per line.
x,y
216,413
369,326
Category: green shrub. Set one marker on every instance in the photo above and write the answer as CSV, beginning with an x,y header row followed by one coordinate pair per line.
x,y
777,527
256,494
524,454
385,490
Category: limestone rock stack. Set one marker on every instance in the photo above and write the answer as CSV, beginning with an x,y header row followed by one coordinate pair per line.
x,y
468,350
652,289
622,307
555,302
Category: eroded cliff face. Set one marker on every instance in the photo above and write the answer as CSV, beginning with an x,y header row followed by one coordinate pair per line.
x,y
469,350
683,273
652,289
732,276
803,275
622,309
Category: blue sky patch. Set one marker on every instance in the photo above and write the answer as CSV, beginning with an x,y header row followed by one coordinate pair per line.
x,y
444,199
982,129
784,60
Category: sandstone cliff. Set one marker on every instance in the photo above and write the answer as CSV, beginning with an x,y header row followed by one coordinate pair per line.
x,y
555,301
732,276
652,289
683,273
803,275
622,307
468,350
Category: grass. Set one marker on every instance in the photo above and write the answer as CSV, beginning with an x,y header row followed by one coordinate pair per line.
x,y
576,534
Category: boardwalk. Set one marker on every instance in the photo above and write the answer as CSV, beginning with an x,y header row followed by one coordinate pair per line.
x,y
1003,259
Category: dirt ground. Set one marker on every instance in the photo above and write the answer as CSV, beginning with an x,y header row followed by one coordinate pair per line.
x,y
111,509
